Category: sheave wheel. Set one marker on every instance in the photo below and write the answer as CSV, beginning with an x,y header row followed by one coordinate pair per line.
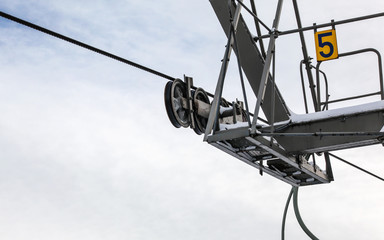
x,y
200,122
173,94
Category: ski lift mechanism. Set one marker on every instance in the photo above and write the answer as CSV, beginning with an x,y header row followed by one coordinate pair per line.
x,y
285,145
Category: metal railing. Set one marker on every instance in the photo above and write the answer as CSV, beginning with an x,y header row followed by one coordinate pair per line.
x,y
327,102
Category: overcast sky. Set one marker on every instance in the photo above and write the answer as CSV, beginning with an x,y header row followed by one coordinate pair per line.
x,y
87,150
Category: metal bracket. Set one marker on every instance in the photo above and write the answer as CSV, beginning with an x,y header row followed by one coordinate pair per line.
x,y
189,83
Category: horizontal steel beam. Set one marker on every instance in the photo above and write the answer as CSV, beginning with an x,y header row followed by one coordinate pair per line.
x,y
323,25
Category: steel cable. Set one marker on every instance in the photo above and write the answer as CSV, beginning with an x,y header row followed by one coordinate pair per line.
x,y
94,49
83,45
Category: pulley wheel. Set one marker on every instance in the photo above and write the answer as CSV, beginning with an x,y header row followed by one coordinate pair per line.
x,y
173,94
200,122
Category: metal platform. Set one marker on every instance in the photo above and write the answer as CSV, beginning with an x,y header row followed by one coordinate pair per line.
x,y
259,152
283,147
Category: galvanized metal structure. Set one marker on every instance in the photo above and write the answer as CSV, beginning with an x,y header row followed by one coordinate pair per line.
x,y
285,144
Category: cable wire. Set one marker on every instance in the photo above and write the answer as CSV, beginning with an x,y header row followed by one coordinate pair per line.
x,y
94,49
294,191
298,216
285,214
353,165
83,45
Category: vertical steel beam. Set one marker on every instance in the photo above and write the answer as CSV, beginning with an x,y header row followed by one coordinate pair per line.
x,y
307,61
237,52
267,65
213,114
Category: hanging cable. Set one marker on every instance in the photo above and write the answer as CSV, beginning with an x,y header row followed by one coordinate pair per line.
x,y
297,213
83,45
285,214
294,191
351,164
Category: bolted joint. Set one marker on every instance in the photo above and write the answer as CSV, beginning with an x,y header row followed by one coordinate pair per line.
x,y
274,32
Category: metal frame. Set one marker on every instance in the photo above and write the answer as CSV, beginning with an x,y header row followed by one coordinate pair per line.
x,y
307,59
212,119
267,65
303,29
270,148
255,148
381,81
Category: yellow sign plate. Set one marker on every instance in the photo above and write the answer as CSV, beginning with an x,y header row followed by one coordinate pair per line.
x,y
326,45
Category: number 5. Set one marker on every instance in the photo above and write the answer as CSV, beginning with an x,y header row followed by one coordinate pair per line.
x,y
326,45
323,44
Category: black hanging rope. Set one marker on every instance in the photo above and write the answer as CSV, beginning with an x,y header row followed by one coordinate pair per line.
x,y
83,45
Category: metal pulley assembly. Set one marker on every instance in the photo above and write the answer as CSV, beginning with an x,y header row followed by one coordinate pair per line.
x,y
201,110
190,108
175,98
186,107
